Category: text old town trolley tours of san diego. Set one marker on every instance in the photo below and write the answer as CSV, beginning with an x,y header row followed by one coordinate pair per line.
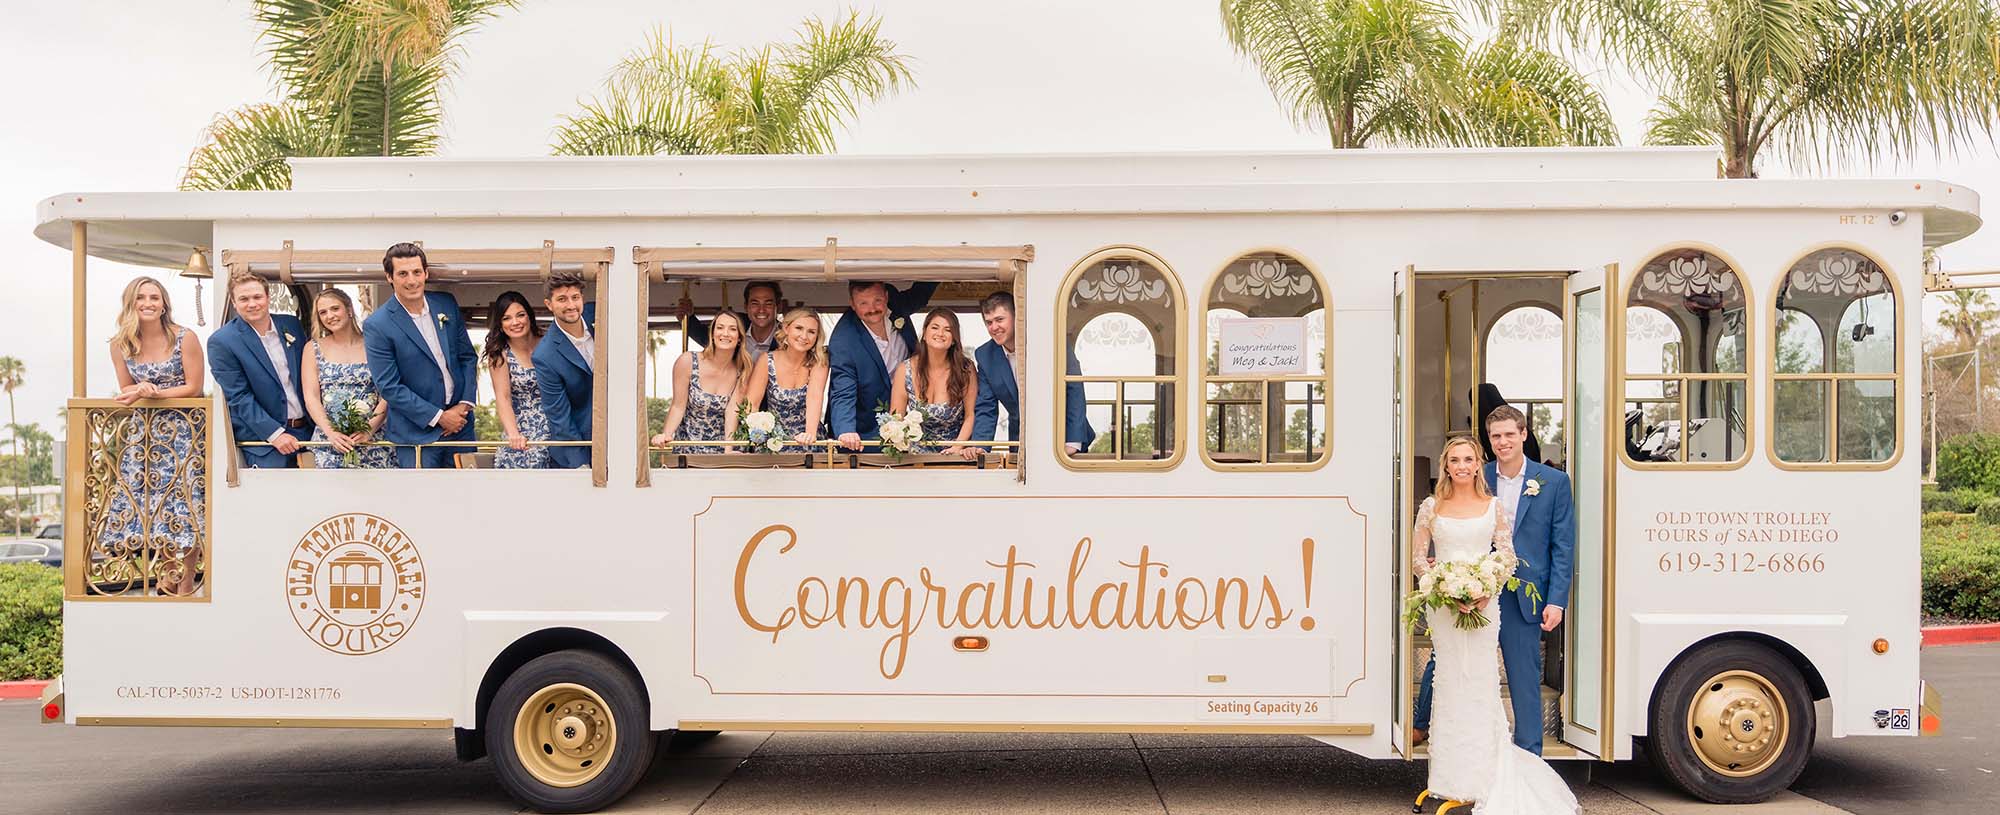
x,y
1724,368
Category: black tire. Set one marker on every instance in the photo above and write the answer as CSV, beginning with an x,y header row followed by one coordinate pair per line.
x,y
632,741
1717,672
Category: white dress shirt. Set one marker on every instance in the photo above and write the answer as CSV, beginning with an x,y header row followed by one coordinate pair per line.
x,y
891,348
1507,489
274,347
429,330
585,345
759,347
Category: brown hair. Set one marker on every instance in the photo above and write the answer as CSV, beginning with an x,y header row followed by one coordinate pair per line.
x,y
954,356
242,277
740,357
1444,489
1506,413
561,280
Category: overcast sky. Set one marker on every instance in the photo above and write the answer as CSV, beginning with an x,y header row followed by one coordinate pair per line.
x,y
112,96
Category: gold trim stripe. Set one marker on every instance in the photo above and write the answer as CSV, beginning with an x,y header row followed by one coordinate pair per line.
x,y
1314,729
258,721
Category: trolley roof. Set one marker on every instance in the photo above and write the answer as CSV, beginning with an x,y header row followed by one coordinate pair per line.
x,y
161,228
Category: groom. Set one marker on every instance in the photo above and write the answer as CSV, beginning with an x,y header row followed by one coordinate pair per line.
x,y
1545,542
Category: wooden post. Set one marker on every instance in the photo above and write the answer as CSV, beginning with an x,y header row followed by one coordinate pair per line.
x,y
79,252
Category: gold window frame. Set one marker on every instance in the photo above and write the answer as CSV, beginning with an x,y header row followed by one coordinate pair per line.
x,y
1324,379
1060,369
289,266
1832,378
1627,285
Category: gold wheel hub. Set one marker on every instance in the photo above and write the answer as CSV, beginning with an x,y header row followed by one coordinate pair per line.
x,y
565,735
1737,723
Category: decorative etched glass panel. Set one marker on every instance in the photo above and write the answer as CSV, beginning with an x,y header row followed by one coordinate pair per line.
x,y
1703,302
1850,303
1121,323
1264,367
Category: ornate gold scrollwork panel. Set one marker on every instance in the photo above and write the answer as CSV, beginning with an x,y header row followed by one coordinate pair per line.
x,y
137,505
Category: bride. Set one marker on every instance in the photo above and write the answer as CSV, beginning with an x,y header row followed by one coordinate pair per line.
x,y
1472,755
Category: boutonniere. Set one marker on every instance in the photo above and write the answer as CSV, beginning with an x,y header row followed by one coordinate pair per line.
x,y
898,323
1533,488
289,338
443,318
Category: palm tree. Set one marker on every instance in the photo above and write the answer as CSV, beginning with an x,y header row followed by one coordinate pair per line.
x,y
14,373
693,100
361,78
655,340
1819,80
1400,72
1968,314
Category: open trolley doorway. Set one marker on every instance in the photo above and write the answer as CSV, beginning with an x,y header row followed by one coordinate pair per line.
x,y
1467,341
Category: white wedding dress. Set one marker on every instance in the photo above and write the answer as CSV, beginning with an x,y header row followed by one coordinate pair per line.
x,y
1472,752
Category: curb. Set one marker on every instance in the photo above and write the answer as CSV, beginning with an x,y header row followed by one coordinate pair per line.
x,y
1945,635
32,689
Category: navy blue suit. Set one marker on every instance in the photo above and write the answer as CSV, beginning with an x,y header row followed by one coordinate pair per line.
x,y
997,389
408,377
564,377
250,384
858,381
1545,543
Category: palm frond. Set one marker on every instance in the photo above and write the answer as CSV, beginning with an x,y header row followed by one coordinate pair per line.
x,y
661,100
1524,96
1657,38
1292,44
246,149
831,72
1679,121
1404,62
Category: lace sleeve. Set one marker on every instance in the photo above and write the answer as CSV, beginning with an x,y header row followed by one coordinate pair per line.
x,y
1503,528
1420,537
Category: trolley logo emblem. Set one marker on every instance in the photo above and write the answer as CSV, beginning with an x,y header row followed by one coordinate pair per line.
x,y
355,584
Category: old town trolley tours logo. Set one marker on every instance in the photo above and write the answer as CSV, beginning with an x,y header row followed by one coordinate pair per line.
x,y
355,584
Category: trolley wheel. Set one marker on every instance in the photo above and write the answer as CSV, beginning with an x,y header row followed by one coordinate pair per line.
x,y
568,732
1732,723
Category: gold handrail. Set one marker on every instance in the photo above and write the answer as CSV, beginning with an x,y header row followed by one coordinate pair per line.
x,y
832,446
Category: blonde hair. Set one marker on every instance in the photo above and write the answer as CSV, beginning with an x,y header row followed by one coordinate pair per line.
x,y
353,318
741,356
126,338
1444,488
814,354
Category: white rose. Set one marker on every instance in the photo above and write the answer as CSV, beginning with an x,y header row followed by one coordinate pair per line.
x,y
761,422
775,444
1427,581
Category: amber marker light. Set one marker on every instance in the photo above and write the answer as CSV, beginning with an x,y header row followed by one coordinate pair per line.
x,y
1881,646
968,643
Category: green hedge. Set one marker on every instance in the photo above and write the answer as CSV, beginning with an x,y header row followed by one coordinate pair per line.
x,y
1970,462
1964,500
1989,511
1944,518
1962,571
30,621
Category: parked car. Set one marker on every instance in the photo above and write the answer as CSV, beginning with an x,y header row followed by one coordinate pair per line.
x,y
45,552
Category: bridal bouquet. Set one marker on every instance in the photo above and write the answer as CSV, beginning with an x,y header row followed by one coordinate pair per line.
x,y
900,434
760,429
1450,583
349,417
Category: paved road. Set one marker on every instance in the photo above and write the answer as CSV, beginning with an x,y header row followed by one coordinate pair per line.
x,y
116,770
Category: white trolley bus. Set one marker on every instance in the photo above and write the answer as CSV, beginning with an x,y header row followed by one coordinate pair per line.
x,y
1270,348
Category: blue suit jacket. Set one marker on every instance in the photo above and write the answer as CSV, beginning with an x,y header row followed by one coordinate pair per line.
x,y
250,382
407,375
857,380
996,388
1544,538
564,378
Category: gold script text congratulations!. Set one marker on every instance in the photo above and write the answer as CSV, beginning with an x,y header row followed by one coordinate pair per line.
x,y
1143,597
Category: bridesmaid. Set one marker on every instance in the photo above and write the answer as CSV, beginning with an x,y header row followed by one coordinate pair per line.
x,y
940,380
711,384
156,359
511,335
339,373
797,358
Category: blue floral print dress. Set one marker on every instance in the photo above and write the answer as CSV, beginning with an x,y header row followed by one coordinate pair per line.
x,y
787,405
705,415
526,392
340,382
941,421
160,497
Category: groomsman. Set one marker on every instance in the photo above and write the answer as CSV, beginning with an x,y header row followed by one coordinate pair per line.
x,y
255,359
423,362
873,336
564,361
761,301
996,363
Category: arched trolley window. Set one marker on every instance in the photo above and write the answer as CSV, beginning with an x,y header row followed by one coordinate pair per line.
x,y
1119,315
1685,384
1836,365
1265,382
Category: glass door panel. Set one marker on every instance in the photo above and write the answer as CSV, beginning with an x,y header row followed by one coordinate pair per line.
x,y
1589,458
